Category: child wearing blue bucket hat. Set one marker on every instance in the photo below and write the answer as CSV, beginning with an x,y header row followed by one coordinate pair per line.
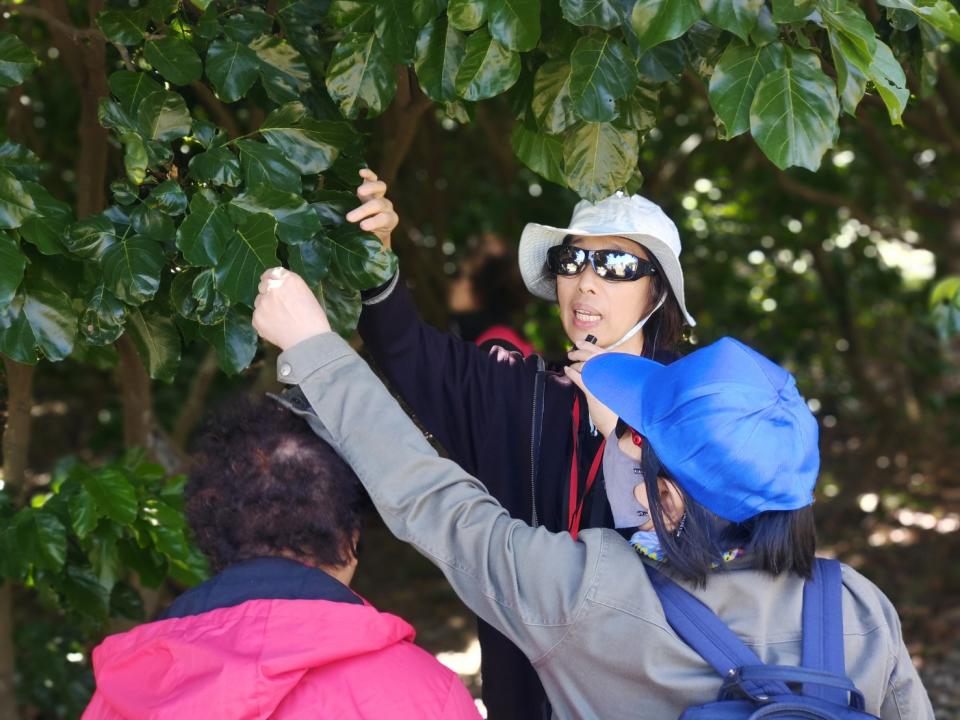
x,y
729,460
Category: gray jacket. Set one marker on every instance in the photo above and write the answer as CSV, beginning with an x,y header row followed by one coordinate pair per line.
x,y
583,611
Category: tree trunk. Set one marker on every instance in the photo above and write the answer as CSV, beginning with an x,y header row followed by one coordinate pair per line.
x,y
136,395
16,443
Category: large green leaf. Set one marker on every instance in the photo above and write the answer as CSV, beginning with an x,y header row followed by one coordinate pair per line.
x,y
123,27
606,14
19,160
12,265
296,220
851,82
91,237
163,116
104,318
204,233
251,250
360,260
175,59
515,24
135,158
888,77
736,16
85,593
132,267
599,159
52,318
440,50
794,113
309,144
940,14
153,224
488,68
792,11
234,339
218,166
232,68
639,111
105,559
41,538
342,306
395,29
157,341
196,296
47,228
263,164
540,152
311,260
17,61
112,116
16,205
656,21
851,31
355,16
360,76
425,11
283,72
552,104
735,80
40,317
601,73
248,22
169,198
84,513
467,15
114,494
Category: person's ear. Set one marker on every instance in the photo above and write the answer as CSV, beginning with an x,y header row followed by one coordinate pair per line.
x,y
671,500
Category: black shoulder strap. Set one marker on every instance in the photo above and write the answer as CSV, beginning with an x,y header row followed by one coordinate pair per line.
x,y
536,434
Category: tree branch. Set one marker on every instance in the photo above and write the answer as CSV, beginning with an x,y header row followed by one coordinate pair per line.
x,y
220,113
52,21
400,124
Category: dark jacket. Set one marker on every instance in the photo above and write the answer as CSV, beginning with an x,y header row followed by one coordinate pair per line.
x,y
480,406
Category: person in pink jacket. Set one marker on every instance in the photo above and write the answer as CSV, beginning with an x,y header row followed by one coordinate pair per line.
x,y
276,632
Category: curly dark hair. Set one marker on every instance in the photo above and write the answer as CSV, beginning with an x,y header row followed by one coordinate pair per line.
x,y
262,483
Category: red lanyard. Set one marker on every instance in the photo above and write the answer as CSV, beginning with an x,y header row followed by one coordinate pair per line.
x,y
575,508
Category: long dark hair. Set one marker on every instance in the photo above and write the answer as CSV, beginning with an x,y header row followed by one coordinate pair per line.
x,y
664,330
776,541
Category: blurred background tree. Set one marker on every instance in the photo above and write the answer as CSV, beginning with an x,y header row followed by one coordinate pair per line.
x,y
159,155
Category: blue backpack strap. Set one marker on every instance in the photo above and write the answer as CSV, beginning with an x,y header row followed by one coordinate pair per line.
x,y
700,628
823,627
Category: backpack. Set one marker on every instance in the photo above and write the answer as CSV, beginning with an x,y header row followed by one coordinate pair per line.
x,y
817,690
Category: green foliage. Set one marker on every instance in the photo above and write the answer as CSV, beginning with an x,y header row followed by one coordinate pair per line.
x,y
80,545
584,85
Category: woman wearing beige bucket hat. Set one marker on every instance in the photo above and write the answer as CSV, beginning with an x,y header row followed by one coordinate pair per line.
x,y
532,435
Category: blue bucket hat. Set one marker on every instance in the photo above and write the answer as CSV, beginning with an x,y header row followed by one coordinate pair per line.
x,y
728,424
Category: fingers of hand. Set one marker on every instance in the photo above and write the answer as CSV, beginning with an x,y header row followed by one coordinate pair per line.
x,y
368,174
580,355
370,190
383,221
574,375
371,207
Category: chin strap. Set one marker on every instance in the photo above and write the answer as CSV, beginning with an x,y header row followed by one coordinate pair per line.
x,y
638,327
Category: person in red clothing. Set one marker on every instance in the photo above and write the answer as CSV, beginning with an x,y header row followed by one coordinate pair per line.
x,y
276,632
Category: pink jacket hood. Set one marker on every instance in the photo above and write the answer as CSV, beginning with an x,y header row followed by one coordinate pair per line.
x,y
274,659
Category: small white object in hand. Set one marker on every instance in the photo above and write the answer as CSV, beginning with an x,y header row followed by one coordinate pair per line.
x,y
277,276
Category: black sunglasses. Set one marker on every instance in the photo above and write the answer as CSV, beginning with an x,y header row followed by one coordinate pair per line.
x,y
570,260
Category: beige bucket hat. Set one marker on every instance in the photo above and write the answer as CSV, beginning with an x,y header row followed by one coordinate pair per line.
x,y
629,216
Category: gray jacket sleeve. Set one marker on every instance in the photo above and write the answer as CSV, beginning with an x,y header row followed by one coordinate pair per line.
x,y
528,583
